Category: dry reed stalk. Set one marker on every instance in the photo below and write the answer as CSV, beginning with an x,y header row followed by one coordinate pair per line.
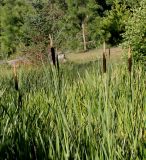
x,y
84,37
104,47
51,40
129,60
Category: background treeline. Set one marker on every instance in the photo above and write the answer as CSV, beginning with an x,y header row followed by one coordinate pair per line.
x,y
73,25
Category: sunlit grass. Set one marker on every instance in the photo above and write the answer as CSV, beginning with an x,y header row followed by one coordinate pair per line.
x,y
79,113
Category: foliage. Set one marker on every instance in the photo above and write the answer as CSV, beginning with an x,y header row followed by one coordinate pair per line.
x,y
135,35
74,25
113,25
12,17
79,13
44,21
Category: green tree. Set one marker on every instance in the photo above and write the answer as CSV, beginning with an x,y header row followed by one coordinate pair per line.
x,y
44,21
79,14
12,17
132,3
113,24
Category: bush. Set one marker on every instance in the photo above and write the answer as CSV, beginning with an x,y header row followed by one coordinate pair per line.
x,y
135,34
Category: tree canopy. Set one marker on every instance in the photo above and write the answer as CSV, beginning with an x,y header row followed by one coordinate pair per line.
x,y
73,25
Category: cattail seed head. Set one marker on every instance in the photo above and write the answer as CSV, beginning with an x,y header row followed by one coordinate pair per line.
x,y
15,78
53,56
109,53
104,63
104,57
129,60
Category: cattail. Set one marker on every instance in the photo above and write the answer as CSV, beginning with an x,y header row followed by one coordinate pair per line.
x,y
53,56
104,58
15,78
17,86
104,63
129,60
109,53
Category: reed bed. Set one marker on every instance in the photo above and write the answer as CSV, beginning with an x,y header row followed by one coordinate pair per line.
x,y
78,113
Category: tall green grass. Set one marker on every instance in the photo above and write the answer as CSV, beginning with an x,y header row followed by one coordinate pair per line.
x,y
78,113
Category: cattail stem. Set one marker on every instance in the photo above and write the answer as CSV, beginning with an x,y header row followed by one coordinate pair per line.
x,y
57,63
104,47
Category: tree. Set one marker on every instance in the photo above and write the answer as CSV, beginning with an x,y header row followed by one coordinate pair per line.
x,y
113,24
44,21
104,6
12,21
80,13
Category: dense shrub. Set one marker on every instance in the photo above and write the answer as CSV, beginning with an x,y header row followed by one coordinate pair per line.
x,y
135,34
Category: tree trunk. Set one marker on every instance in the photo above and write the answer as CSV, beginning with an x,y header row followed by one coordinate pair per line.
x,y
84,37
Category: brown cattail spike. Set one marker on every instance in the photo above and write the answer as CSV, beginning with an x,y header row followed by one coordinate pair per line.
x,y
109,53
104,63
104,57
17,86
53,56
15,78
129,60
